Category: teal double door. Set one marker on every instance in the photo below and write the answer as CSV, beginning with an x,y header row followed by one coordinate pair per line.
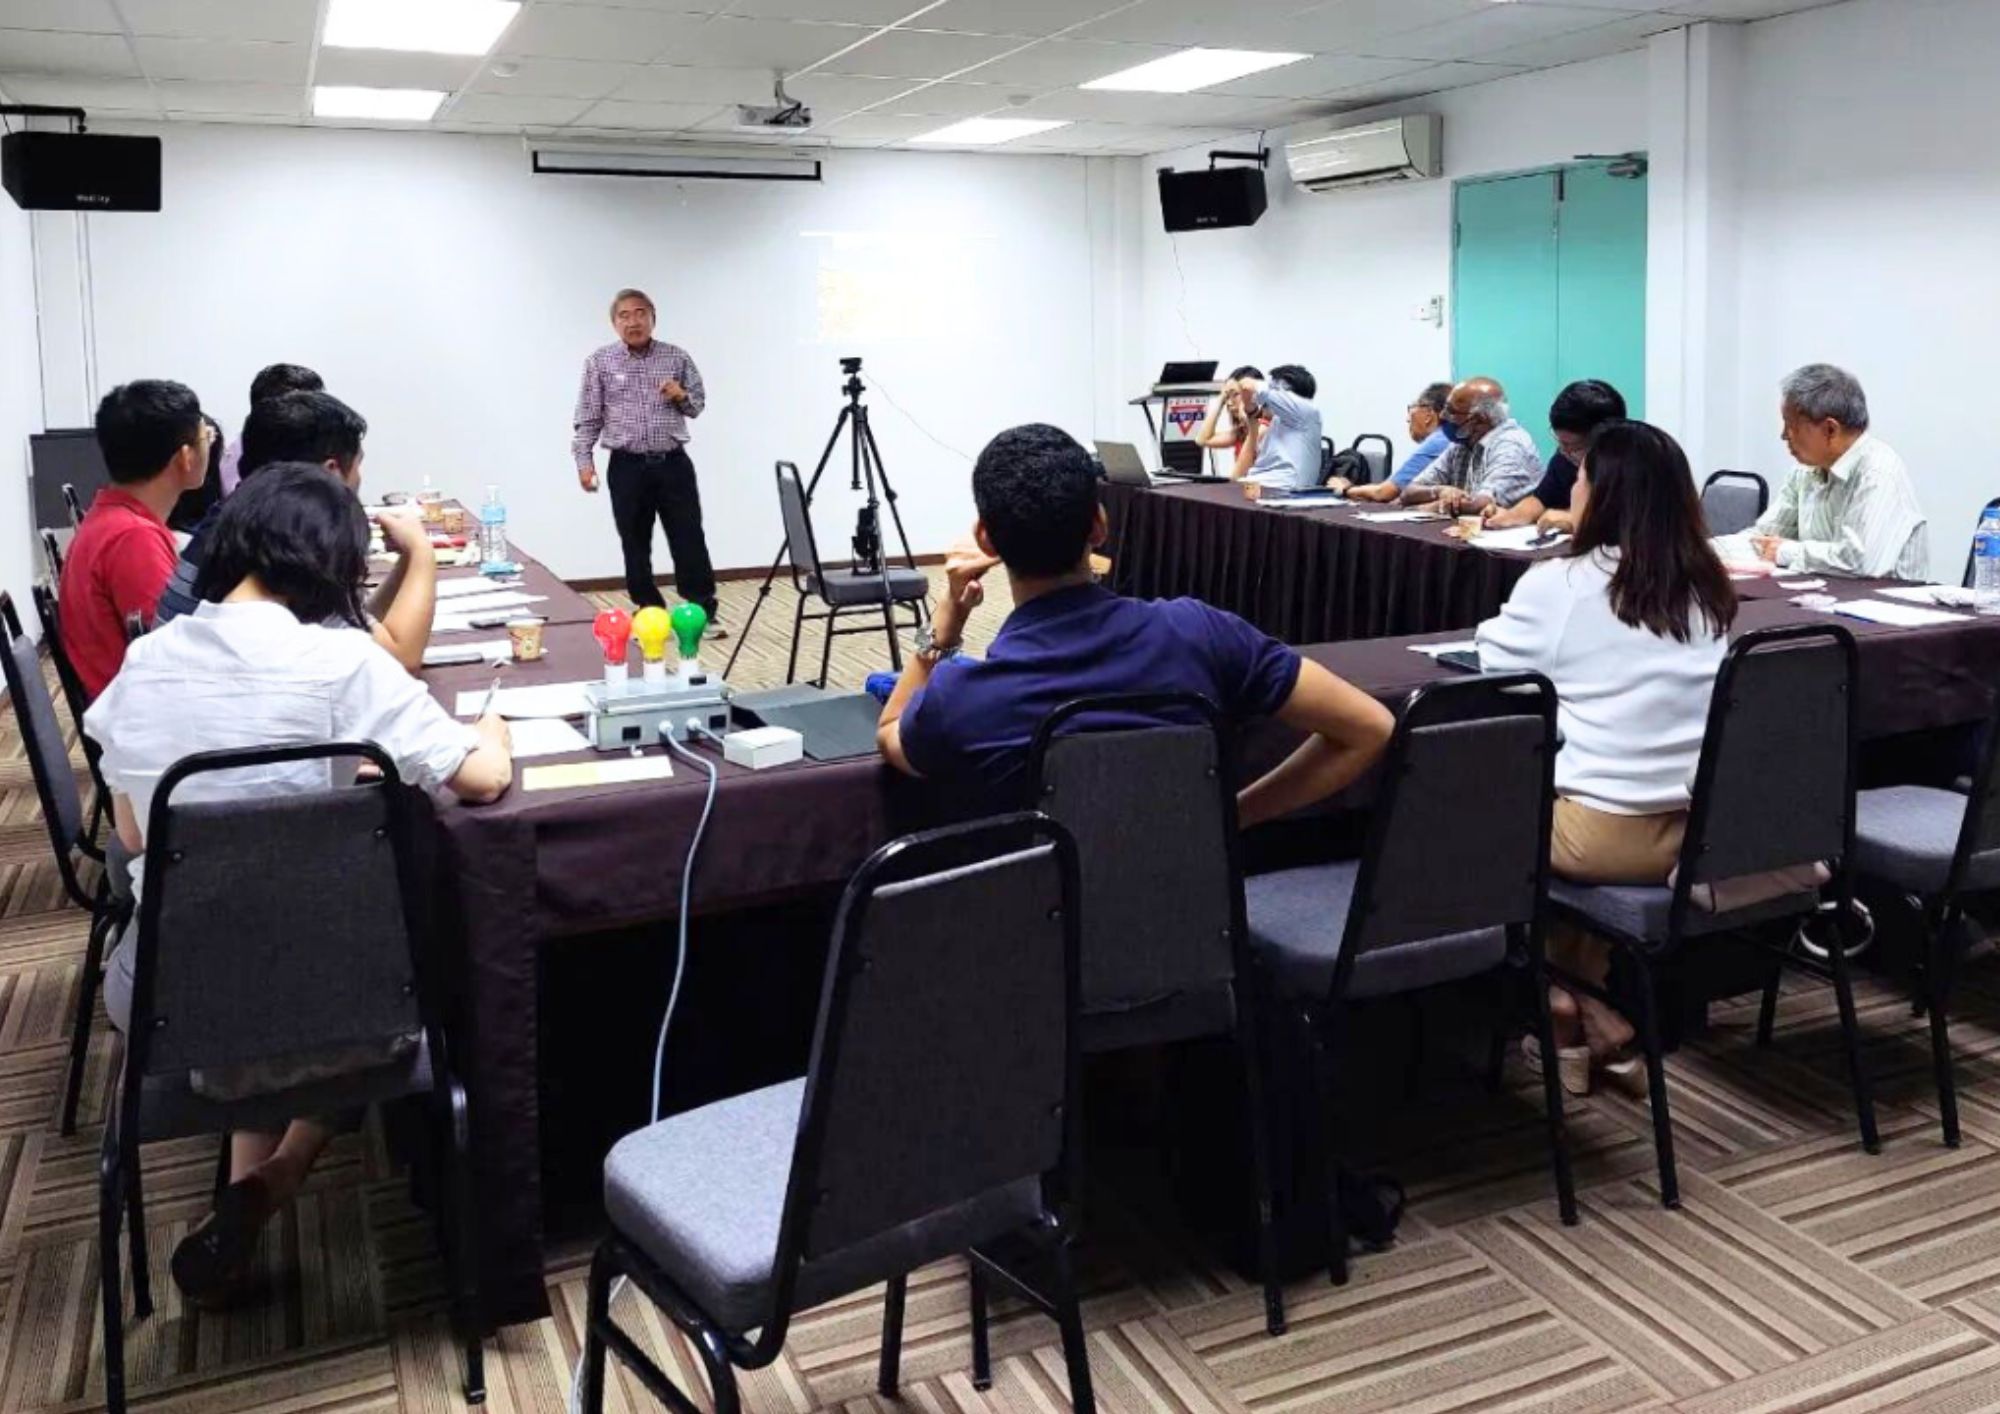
x,y
1549,285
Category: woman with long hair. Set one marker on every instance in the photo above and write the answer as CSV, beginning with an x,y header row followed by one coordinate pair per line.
x,y
1631,627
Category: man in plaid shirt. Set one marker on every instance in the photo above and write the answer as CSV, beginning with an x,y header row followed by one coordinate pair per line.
x,y
637,397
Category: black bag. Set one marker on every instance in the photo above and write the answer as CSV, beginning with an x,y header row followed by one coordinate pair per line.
x,y
1350,465
1372,1205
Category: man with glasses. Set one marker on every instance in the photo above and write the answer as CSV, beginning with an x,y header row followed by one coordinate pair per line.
x,y
155,445
1578,411
1425,416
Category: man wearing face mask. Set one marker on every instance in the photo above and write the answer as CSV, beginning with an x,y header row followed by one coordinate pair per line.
x,y
1492,459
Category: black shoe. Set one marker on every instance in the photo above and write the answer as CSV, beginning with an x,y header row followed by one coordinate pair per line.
x,y
213,1265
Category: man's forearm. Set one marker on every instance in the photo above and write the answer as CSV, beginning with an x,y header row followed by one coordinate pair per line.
x,y
1318,769
408,620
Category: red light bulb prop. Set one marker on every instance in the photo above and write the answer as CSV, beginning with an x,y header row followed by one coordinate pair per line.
x,y
613,631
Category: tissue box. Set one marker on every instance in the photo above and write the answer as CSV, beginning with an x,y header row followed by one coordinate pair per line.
x,y
760,747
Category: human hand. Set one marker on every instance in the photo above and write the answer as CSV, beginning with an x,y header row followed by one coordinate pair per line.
x,y
1448,500
965,566
586,477
1340,484
672,391
1766,547
1557,523
494,730
403,529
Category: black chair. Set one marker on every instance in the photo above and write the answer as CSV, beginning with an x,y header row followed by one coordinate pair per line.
x,y
1166,954
1732,501
938,1115
1774,790
1393,922
1381,461
62,812
1936,846
53,555
1972,551
241,966
844,592
73,504
79,702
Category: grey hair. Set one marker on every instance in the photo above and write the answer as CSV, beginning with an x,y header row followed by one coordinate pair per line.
x,y
1493,409
1819,391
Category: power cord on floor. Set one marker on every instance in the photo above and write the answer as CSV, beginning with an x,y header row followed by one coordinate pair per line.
x,y
694,728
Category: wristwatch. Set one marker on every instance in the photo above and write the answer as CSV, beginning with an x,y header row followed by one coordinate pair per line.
x,y
928,647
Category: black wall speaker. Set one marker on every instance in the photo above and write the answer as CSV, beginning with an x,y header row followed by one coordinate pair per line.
x,y
52,171
1200,201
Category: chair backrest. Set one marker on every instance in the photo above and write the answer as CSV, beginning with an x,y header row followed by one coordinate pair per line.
x,y
802,549
271,926
73,504
52,553
1459,838
42,742
1980,831
72,685
1378,451
1733,500
944,1061
1774,788
1143,784
1326,452
1972,550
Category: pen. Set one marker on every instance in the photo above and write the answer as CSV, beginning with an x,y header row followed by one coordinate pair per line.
x,y
487,705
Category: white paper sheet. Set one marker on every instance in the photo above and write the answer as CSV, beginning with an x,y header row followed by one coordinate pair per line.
x,y
545,736
1399,517
1438,650
1801,584
1948,595
612,770
1881,611
491,650
546,699
495,602
1519,537
472,584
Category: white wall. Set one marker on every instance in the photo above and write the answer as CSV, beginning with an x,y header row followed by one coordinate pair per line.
x,y
20,409
1870,221
1333,281
451,296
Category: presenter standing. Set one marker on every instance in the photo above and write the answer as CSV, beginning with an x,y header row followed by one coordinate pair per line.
x,y
637,397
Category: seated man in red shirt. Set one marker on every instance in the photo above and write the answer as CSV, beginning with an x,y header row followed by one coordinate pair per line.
x,y
155,446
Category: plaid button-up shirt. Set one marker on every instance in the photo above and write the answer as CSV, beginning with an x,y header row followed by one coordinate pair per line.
x,y
620,405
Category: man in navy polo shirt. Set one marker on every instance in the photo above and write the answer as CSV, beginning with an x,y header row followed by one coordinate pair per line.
x,y
960,720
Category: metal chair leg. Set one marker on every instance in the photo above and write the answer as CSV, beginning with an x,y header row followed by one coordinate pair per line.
x,y
1939,981
86,1005
590,1389
1320,1068
110,1207
982,1350
889,628
135,1236
1076,1348
1850,1032
458,1238
723,1392
222,1168
1263,1166
1656,1084
889,1373
826,648
798,629
1767,1009
1552,1096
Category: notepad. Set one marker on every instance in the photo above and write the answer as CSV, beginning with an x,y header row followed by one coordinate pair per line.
x,y
490,650
545,736
1881,611
1949,595
612,771
493,602
473,584
542,699
1518,537
1399,517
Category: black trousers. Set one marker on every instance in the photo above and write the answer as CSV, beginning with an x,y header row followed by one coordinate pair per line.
x,y
645,486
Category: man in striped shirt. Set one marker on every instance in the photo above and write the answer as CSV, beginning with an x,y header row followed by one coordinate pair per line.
x,y
637,397
1849,507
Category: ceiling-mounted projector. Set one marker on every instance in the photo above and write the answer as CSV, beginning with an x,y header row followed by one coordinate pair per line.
x,y
784,115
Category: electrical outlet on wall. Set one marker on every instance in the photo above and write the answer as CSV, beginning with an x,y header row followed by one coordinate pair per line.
x,y
1430,312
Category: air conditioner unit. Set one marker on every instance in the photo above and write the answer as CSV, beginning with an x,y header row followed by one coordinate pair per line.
x,y
1328,157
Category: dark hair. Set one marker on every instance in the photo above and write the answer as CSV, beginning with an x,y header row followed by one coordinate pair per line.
x,y
302,533
1297,379
1248,370
301,427
1435,397
277,379
1642,503
1586,405
193,505
1036,491
142,424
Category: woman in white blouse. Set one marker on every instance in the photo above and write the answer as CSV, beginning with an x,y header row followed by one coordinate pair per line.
x,y
1631,627
278,654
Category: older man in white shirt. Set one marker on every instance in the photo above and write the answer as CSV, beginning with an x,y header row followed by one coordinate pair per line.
x,y
1849,507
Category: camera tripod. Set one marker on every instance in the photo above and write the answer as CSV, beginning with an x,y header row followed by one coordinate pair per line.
x,y
868,473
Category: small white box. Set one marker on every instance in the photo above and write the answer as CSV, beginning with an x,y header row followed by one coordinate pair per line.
x,y
760,747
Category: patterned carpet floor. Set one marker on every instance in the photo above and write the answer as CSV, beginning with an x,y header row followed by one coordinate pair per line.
x,y
1801,1274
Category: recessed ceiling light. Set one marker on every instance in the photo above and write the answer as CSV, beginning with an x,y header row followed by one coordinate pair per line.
x,y
991,130
429,26
1194,68
410,105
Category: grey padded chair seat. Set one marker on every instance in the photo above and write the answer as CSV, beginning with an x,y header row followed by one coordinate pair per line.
x,y
1907,835
1298,917
703,1193
1640,911
851,587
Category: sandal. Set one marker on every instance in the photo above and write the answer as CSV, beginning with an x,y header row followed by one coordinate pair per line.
x,y
1572,1064
1627,1075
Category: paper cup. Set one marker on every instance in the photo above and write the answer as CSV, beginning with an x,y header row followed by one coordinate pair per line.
x,y
1469,527
525,636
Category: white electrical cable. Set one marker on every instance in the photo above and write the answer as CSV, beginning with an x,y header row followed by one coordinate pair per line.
x,y
673,992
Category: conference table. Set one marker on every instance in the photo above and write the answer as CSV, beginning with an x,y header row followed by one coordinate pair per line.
x,y
541,869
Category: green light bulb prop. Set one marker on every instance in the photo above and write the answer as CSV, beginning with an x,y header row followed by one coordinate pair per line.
x,y
690,622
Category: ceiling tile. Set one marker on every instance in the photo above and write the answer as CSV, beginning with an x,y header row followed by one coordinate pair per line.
x,y
553,78
1330,26
1477,37
1593,43
85,15
43,52
685,83
1357,26
1745,9
390,68
1037,18
597,32
1143,109
220,60
1064,63
650,117
1434,79
881,127
853,12
97,94
488,111
201,100
759,44
1316,78
829,94
291,21
953,100
921,54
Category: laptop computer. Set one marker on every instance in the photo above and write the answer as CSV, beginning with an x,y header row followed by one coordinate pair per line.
x,y
1122,464
1187,371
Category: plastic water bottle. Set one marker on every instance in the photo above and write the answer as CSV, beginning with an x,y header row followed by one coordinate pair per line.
x,y
493,529
1986,564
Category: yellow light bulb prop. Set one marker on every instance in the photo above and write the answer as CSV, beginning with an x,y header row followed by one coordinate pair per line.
x,y
653,627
